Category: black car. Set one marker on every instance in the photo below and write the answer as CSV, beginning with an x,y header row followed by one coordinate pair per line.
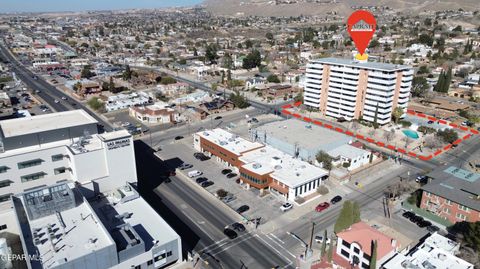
x,y
230,233
226,171
184,166
218,118
424,223
200,156
238,227
336,199
433,228
408,214
242,209
167,180
200,180
178,137
231,175
416,219
207,184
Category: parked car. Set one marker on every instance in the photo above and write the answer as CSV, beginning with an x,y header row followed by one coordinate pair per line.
x,y
238,227
336,199
408,214
433,228
242,209
200,156
230,233
424,223
231,175
56,101
286,207
218,117
179,137
194,173
319,239
64,98
430,122
226,171
184,166
416,219
207,184
254,120
200,180
322,206
227,199
421,179
167,180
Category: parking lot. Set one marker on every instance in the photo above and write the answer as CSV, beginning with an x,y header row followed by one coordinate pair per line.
x,y
181,151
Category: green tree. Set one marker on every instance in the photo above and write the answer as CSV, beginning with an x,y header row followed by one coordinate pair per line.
x,y
423,70
168,80
397,114
419,86
249,44
447,135
323,249
229,75
252,60
325,159
227,61
349,215
298,97
448,80
95,103
425,39
87,72
127,74
330,252
211,53
269,36
373,258
239,100
273,78
439,87
469,233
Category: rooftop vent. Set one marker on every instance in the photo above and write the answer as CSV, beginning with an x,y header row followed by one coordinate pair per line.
x,y
277,167
256,165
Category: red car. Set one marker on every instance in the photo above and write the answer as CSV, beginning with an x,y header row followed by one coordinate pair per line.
x,y
322,207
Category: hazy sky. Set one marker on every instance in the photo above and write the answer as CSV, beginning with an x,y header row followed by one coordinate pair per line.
x,y
77,5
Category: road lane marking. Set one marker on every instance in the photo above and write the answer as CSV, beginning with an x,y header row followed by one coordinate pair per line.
x,y
236,242
291,254
223,242
277,238
274,249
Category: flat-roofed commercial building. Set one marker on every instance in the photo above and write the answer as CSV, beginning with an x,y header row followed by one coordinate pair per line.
x,y
43,150
262,167
60,228
349,89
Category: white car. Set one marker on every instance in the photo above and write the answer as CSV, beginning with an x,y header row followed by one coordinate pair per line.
x,y
319,239
64,98
286,207
56,101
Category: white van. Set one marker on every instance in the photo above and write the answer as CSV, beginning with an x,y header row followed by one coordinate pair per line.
x,y
194,173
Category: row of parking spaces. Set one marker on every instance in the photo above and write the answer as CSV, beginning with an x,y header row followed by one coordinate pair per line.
x,y
221,181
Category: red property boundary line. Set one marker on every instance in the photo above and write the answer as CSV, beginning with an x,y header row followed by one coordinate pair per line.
x,y
387,146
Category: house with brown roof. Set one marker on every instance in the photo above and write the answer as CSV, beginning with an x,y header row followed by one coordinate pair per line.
x,y
355,246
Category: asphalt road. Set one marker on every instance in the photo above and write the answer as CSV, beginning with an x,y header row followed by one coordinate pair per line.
x,y
47,92
199,220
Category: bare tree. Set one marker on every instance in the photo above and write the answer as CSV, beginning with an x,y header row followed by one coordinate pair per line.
x,y
354,126
432,142
407,140
389,135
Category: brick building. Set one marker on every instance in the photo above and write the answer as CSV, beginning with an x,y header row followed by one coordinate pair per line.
x,y
260,166
453,194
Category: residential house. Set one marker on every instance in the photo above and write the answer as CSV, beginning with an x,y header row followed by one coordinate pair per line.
x,y
355,246
157,113
217,106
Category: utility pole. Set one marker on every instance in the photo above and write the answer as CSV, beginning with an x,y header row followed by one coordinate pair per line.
x,y
311,237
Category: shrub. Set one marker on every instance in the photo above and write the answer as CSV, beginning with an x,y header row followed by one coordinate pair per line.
x,y
426,130
322,190
221,193
405,124
300,200
346,164
448,135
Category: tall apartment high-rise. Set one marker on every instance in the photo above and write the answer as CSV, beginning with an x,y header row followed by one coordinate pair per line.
x,y
352,89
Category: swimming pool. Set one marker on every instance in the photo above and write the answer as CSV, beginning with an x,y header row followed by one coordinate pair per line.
x,y
411,134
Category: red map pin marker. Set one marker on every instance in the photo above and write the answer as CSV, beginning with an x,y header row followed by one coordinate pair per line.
x,y
361,27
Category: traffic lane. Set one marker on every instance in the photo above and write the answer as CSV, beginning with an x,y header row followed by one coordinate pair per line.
x,y
149,171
